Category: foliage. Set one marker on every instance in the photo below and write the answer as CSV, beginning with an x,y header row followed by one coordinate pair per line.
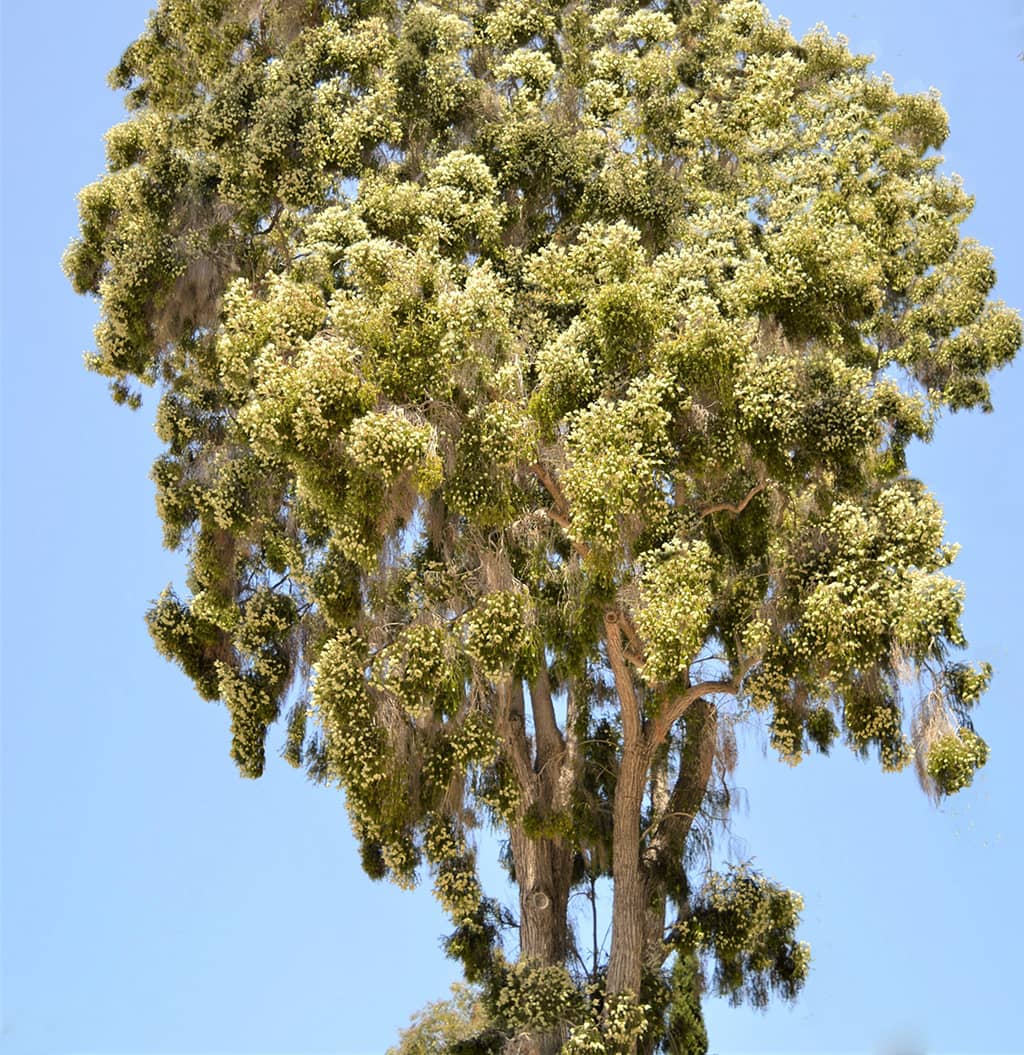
x,y
536,996
536,382
746,924
458,1025
953,760
622,1023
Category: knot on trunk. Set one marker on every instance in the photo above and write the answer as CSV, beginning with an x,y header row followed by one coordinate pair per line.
x,y
538,900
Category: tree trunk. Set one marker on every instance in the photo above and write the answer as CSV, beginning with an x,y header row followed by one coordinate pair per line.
x,y
663,862
625,965
543,866
625,962
543,873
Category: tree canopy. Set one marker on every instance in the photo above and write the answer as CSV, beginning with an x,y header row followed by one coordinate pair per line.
x,y
536,381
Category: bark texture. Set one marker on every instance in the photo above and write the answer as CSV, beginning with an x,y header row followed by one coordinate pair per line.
x,y
543,864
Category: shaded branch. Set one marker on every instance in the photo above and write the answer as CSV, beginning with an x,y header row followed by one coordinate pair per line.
x,y
272,222
559,513
550,743
695,765
671,830
512,731
734,507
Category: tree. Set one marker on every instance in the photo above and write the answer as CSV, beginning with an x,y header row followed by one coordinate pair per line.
x,y
536,381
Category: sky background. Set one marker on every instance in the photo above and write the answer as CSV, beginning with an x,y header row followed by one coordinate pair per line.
x,y
154,902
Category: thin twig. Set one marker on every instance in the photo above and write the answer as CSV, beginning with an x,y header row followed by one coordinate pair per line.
x,y
272,223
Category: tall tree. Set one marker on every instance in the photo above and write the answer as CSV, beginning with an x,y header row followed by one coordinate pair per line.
x,y
536,380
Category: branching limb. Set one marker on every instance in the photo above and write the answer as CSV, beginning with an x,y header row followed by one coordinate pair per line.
x,y
681,704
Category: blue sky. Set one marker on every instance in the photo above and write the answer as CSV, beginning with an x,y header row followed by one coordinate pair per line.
x,y
153,902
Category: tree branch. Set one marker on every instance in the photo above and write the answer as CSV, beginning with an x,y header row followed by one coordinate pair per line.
x,y
512,731
691,783
671,828
550,743
553,488
559,513
636,655
272,223
632,721
570,769
733,507
679,706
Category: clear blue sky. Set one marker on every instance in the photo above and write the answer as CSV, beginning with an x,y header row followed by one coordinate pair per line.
x,y
154,902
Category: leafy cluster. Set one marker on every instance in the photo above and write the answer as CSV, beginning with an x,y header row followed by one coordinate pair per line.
x,y
622,1023
747,925
954,758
